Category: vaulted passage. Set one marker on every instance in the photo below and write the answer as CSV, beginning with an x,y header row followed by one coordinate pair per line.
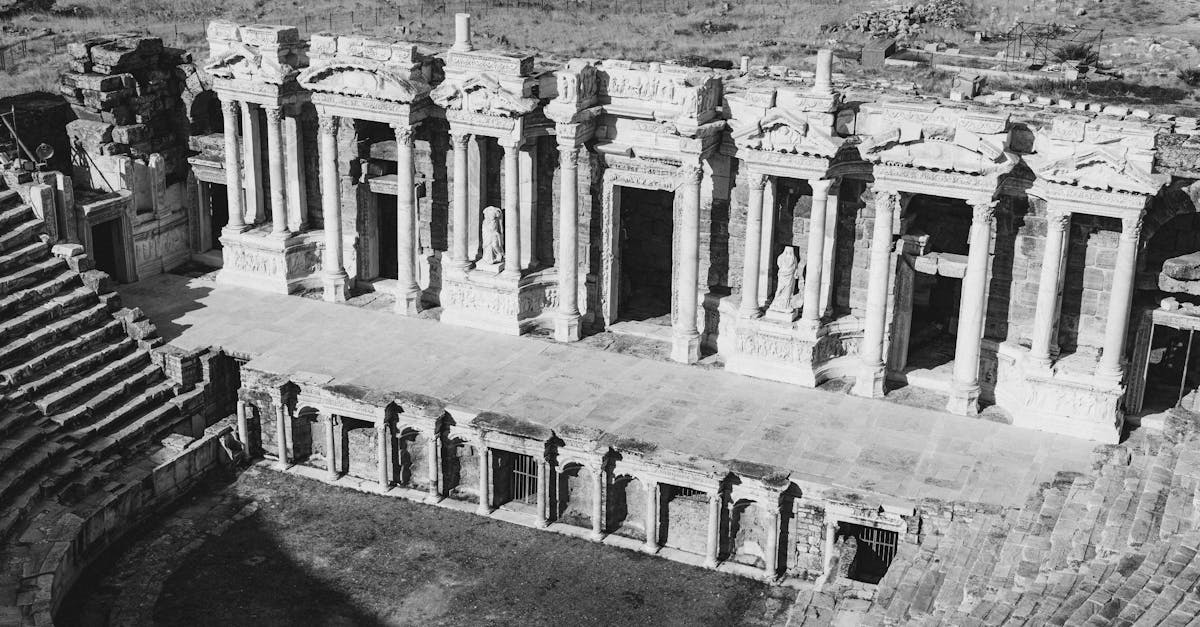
x,y
647,231
106,247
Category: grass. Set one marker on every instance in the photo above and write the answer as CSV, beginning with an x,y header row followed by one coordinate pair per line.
x,y
318,555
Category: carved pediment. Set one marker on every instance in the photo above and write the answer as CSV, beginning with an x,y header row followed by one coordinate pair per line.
x,y
482,94
349,78
781,130
1104,167
981,157
241,61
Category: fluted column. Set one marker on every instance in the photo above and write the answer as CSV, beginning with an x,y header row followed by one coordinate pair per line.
x,y
543,489
1111,364
1049,287
383,444
408,301
871,378
281,435
753,254
816,250
462,213
233,168
685,346
512,210
432,465
714,528
243,427
597,501
566,325
972,310
334,276
485,480
252,160
331,453
652,498
279,218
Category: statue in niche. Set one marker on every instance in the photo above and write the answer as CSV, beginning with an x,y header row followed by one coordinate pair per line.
x,y
493,240
786,280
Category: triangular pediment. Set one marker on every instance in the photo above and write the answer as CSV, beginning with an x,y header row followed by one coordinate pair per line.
x,y
351,78
482,94
981,157
1102,167
781,130
240,61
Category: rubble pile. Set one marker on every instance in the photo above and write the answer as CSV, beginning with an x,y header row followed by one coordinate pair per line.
x,y
900,21
125,90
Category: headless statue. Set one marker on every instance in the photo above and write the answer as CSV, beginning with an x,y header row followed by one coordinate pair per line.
x,y
493,242
786,281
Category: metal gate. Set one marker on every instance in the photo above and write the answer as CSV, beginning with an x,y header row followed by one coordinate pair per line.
x,y
524,478
880,542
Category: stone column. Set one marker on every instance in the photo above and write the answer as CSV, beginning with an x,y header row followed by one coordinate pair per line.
x,y
243,427
294,172
771,560
252,160
281,435
1111,364
827,262
1058,225
972,310
432,466
382,434
830,538
331,441
233,168
279,218
334,276
714,528
816,250
462,213
753,255
651,545
408,301
597,502
485,480
566,324
512,210
871,377
543,489
685,345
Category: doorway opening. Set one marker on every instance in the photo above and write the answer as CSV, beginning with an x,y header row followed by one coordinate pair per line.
x,y
1173,372
107,249
865,553
934,320
218,212
646,249
515,478
386,236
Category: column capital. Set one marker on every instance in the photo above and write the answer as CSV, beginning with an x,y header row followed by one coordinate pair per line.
x,y
886,199
983,210
820,187
1058,218
404,132
274,114
327,123
230,106
459,138
691,173
1131,227
758,180
333,419
568,155
510,143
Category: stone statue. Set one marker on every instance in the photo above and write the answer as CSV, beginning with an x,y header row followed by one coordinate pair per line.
x,y
786,281
493,240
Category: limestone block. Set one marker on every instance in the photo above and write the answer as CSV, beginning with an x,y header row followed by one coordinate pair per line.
x,y
67,251
97,281
131,134
223,29
89,133
1183,268
268,35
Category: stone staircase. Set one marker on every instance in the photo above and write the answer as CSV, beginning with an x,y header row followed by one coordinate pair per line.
x,y
1114,547
83,404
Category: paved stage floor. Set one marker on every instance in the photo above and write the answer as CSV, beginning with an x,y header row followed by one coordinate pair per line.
x,y
899,452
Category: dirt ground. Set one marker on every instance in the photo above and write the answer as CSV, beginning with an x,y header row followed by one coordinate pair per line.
x,y
313,554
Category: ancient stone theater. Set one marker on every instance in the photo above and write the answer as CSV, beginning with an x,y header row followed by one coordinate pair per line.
x,y
1030,262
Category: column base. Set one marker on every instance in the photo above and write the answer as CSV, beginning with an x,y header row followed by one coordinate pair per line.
x,y
566,328
597,536
483,510
542,523
685,348
870,381
408,304
650,549
1110,375
337,288
964,399
234,230
710,563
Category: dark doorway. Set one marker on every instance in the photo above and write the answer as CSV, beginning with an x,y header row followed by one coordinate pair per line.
x,y
934,320
647,233
107,250
515,478
867,552
388,263
1174,369
218,208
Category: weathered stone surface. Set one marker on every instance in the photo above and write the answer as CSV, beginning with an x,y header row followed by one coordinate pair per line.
x,y
1183,267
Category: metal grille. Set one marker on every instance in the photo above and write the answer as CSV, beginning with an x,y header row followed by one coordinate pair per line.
x,y
880,542
682,491
524,478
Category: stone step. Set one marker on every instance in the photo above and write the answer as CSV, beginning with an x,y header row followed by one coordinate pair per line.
x,y
53,334
32,296
1147,515
53,309
1074,510
978,574
30,275
1167,586
142,404
1119,517
102,353
21,234
1107,600
22,440
13,213
29,253
1100,583
150,425
93,390
1179,512
17,415
110,332
16,476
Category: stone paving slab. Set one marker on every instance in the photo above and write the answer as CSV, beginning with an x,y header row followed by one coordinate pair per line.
x,y
895,451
